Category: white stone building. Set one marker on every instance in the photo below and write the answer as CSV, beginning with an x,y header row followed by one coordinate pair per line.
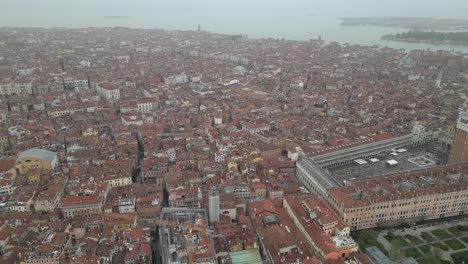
x,y
108,91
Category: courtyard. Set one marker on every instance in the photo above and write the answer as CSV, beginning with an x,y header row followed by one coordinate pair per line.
x,y
439,243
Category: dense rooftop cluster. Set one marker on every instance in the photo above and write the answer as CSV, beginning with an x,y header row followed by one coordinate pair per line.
x,y
103,127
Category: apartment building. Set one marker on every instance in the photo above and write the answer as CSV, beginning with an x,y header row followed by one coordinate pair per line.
x,y
108,91
400,198
16,88
81,205
77,83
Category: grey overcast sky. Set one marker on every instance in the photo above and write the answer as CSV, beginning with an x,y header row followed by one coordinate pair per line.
x,y
435,8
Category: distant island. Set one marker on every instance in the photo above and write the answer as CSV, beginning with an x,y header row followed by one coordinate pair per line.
x,y
414,23
117,16
457,38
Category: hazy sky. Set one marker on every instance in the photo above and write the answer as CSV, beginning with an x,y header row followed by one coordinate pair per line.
x,y
435,8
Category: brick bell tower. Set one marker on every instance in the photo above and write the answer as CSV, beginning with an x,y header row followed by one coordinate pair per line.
x,y
459,153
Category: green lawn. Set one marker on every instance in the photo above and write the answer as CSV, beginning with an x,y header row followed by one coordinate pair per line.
x,y
426,236
457,229
396,239
425,249
460,257
368,238
364,245
441,234
441,246
413,239
465,239
454,244
412,252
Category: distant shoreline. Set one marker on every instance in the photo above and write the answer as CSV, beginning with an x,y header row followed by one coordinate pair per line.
x,y
413,23
430,37
375,41
427,42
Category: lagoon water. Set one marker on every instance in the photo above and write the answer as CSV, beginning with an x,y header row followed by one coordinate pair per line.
x,y
289,19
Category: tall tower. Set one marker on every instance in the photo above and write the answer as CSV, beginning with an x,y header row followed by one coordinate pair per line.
x,y
439,80
459,151
213,206
199,197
